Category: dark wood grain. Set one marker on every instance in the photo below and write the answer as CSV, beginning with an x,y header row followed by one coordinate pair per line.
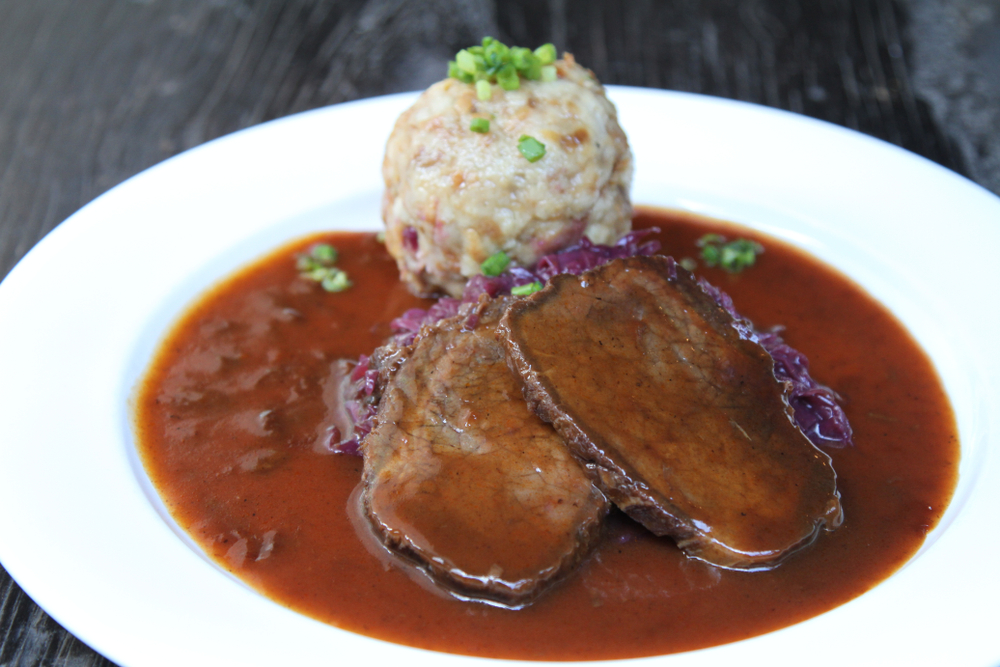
x,y
93,92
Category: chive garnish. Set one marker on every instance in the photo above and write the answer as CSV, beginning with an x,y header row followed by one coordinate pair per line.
x,y
731,256
335,280
495,264
483,91
324,253
532,149
466,62
481,125
507,77
546,54
318,265
525,290
495,62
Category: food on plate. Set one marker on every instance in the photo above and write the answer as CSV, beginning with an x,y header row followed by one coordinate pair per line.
x,y
674,408
553,168
360,392
461,477
704,447
500,181
725,500
235,416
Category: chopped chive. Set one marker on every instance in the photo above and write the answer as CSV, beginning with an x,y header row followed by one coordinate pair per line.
x,y
481,125
305,263
495,62
532,149
731,256
318,265
525,290
495,53
521,57
335,280
507,77
546,53
483,91
324,253
466,61
495,264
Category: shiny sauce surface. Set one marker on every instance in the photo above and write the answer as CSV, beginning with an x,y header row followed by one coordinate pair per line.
x,y
234,425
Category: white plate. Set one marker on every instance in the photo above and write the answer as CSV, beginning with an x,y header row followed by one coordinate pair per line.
x,y
84,534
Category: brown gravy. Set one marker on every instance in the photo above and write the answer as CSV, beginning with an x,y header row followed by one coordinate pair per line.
x,y
232,423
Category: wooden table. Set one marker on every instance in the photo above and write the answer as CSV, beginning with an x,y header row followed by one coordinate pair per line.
x,y
93,92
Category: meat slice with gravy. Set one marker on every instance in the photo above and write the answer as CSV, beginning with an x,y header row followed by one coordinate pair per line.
x,y
674,409
462,478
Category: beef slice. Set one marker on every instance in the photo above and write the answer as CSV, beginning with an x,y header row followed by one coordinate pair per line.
x,y
461,477
674,409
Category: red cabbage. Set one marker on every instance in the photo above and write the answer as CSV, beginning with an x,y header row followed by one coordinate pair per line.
x,y
815,407
411,241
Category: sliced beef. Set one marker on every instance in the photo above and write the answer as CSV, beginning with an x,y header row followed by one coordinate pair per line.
x,y
675,410
462,478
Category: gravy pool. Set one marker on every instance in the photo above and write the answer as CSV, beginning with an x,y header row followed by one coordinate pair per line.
x,y
233,421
